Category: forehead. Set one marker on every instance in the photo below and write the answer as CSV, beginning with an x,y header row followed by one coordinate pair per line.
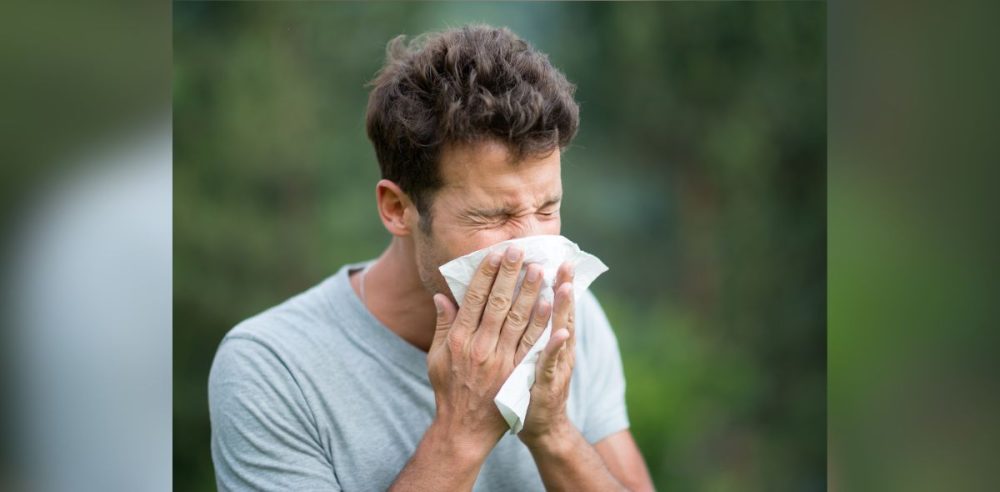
x,y
486,173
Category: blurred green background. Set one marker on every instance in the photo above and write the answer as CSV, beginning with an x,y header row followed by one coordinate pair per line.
x,y
698,176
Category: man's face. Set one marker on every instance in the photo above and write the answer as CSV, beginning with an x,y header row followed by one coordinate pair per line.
x,y
486,198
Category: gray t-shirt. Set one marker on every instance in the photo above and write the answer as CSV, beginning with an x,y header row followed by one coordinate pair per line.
x,y
317,394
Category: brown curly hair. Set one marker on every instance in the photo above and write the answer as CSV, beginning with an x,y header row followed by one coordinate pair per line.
x,y
464,85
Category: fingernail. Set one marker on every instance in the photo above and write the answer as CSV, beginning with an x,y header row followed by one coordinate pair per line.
x,y
437,304
513,253
495,259
533,274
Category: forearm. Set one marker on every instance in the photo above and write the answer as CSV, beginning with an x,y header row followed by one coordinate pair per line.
x,y
566,461
442,461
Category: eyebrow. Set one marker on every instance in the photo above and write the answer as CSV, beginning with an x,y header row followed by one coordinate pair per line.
x,y
506,210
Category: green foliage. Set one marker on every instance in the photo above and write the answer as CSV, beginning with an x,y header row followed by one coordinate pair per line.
x,y
698,176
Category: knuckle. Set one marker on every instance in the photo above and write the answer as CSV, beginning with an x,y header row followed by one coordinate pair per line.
x,y
479,354
529,291
474,297
455,342
517,317
499,300
527,342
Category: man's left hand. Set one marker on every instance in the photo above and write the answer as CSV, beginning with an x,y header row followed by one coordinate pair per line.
x,y
547,419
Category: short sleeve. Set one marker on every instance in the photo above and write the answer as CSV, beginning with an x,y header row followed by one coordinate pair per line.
x,y
605,389
263,434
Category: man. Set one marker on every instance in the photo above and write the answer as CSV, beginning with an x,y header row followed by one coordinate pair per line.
x,y
375,379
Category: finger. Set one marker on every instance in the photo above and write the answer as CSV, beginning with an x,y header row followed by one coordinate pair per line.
x,y
446,313
499,301
565,273
562,313
539,320
548,363
477,293
520,313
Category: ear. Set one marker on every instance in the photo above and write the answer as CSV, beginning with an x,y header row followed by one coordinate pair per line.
x,y
397,211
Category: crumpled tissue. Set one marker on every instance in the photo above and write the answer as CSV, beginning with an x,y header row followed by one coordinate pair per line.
x,y
549,251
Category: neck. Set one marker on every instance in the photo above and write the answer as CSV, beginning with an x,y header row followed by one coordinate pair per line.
x,y
396,297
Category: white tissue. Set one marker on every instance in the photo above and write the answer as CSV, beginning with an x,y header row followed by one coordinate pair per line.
x,y
549,251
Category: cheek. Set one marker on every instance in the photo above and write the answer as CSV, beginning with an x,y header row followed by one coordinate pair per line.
x,y
476,240
553,227
454,242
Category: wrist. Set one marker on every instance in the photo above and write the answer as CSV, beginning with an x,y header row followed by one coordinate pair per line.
x,y
459,444
444,460
552,440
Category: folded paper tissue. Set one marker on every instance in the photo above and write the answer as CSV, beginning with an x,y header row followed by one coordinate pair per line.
x,y
550,252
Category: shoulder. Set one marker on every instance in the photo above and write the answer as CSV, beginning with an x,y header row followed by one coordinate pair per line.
x,y
592,323
588,304
284,335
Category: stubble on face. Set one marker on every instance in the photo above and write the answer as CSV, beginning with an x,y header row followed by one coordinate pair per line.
x,y
430,256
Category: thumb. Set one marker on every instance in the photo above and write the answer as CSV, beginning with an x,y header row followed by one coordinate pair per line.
x,y
446,312
549,360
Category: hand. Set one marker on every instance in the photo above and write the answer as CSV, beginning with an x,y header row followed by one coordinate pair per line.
x,y
473,350
547,417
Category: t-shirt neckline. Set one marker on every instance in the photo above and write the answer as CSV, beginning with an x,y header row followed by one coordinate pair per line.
x,y
370,331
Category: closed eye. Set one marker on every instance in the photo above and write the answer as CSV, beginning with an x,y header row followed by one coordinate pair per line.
x,y
490,221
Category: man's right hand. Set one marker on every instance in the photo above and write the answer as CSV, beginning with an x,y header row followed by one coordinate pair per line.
x,y
475,348
473,352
